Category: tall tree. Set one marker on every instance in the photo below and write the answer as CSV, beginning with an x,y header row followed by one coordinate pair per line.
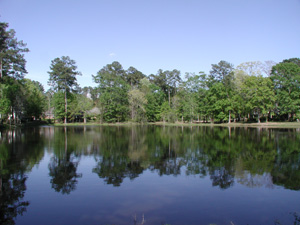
x,y
137,103
292,60
190,95
12,61
286,77
224,72
259,95
133,76
35,98
63,72
252,68
155,98
113,92
168,81
80,106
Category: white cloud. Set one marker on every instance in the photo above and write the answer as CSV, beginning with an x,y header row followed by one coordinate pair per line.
x,y
112,54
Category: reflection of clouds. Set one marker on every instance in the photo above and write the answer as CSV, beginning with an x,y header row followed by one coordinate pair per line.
x,y
255,180
135,203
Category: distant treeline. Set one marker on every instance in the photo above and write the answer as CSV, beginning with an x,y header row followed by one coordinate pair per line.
x,y
252,91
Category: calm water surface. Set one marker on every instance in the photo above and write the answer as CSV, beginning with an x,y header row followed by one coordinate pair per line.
x,y
168,175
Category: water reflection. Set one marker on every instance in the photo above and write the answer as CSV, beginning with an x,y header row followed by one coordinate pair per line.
x,y
17,157
227,156
63,165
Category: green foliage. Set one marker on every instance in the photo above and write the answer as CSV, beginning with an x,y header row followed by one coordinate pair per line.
x,y
59,105
12,59
123,94
154,97
5,102
113,91
286,77
167,80
35,98
62,77
167,114
133,76
137,102
217,102
222,72
62,74
258,94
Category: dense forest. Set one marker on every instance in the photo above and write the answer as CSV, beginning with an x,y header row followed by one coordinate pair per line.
x,y
252,91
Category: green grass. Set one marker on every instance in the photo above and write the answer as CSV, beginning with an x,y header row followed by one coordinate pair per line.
x,y
237,124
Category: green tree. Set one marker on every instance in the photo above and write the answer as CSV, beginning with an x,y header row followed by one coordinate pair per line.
x,y
223,72
259,95
155,97
286,77
35,98
63,72
80,106
217,102
292,60
13,97
113,92
190,95
5,102
12,61
133,76
137,103
168,81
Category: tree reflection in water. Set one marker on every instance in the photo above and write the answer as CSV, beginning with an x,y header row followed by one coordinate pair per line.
x,y
115,170
63,173
63,167
11,194
17,157
227,156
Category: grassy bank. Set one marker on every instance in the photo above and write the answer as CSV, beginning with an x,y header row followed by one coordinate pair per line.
x,y
237,124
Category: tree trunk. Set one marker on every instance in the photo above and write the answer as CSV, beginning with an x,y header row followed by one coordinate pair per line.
x,y
258,117
169,94
66,106
1,69
84,119
0,177
66,141
132,113
229,119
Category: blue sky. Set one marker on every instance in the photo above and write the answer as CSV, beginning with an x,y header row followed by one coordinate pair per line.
x,y
149,35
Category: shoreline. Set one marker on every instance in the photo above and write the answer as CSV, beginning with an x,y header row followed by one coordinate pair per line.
x,y
179,124
176,124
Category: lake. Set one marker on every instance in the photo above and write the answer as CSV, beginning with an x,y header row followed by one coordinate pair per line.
x,y
150,175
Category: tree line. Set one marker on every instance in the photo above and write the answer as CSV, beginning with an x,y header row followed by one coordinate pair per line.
x,y
252,91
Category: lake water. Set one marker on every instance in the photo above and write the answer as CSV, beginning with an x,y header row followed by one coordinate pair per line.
x,y
164,175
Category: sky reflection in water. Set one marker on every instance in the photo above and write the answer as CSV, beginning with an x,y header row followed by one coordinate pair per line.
x,y
174,175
